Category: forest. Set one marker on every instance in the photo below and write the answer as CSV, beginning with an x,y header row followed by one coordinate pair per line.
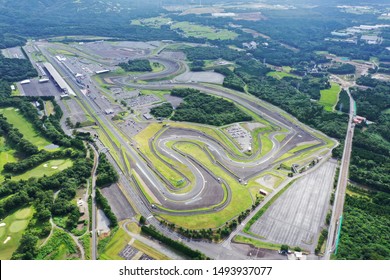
x,y
14,69
138,65
202,108
164,110
366,224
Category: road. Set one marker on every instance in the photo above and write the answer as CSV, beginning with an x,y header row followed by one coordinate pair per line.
x,y
94,208
342,184
263,109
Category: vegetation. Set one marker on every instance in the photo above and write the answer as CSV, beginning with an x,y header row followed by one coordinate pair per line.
x,y
365,226
164,110
231,80
202,108
102,203
15,224
138,65
59,247
201,31
116,244
329,97
321,240
344,102
343,69
106,174
13,69
180,247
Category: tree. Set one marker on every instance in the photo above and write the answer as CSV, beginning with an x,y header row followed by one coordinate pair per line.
x,y
284,248
142,220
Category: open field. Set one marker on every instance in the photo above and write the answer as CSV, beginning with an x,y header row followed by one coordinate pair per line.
x,y
329,97
48,168
280,75
201,31
115,246
151,252
296,217
25,127
256,243
12,232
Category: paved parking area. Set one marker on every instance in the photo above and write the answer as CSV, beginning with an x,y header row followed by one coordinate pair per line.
x,y
128,253
119,204
34,88
297,216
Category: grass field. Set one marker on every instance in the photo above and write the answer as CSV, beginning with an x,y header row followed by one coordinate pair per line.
x,y
15,225
280,137
256,243
280,75
201,31
149,251
330,97
241,198
116,245
25,127
156,67
6,155
48,168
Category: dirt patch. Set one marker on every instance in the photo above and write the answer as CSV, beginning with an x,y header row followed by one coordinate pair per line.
x,y
253,126
268,181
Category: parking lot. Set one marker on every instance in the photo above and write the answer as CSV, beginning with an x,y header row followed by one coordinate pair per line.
x,y
297,216
242,137
119,204
15,52
34,88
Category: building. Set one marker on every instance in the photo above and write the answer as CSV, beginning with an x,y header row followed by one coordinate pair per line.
x,y
250,46
109,111
102,71
371,39
263,192
223,14
58,79
24,82
359,120
148,116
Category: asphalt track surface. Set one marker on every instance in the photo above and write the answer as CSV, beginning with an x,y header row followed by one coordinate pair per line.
x,y
206,191
242,171
296,134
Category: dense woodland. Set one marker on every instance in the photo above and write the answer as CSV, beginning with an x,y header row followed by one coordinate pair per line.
x,y
202,108
366,224
164,110
138,65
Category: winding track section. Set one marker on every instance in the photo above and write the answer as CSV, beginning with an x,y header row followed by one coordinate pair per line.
x,y
207,190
